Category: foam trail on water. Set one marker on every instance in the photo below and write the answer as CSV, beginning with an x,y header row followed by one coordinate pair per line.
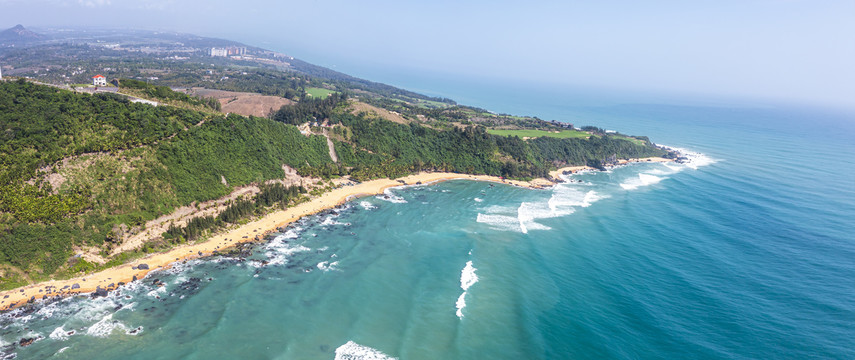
x,y
354,351
467,279
499,222
642,180
367,205
467,276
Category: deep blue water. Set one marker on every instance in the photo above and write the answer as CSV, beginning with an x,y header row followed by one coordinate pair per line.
x,y
748,254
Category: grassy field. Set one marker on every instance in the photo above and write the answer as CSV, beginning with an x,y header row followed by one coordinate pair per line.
x,y
627,138
430,104
563,134
319,93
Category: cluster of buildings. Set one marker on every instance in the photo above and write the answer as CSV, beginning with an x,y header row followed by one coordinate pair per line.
x,y
228,51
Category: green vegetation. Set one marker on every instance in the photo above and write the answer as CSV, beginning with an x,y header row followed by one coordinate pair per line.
x,y
560,134
319,93
270,195
373,148
122,164
308,110
164,93
86,171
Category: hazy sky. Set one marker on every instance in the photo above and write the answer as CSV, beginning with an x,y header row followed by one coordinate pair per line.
x,y
787,49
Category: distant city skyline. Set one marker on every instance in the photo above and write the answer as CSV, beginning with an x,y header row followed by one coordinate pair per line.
x,y
788,50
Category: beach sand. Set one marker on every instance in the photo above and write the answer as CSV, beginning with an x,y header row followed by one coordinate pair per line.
x,y
109,279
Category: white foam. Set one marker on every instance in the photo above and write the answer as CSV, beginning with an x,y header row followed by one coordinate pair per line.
x,y
642,180
331,221
528,212
391,197
467,279
354,351
105,327
499,222
479,200
694,160
565,198
292,233
157,292
59,334
63,350
327,266
367,205
467,276
280,252
461,303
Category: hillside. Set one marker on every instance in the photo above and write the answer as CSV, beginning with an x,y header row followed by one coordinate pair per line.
x,y
18,35
81,174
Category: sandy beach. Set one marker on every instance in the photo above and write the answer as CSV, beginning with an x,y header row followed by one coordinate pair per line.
x,y
110,279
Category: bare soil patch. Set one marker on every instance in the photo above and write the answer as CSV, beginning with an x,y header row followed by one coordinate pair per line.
x,y
357,107
243,103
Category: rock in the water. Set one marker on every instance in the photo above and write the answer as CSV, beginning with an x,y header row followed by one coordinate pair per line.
x,y
26,342
142,266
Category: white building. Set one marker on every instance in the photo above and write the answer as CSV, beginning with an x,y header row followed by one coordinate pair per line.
x,y
99,80
228,51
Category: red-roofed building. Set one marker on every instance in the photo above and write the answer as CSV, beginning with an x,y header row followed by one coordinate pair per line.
x,y
99,80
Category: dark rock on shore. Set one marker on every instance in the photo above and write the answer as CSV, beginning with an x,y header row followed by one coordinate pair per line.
x,y
99,292
142,266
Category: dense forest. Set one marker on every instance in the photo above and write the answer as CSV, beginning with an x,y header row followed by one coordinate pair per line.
x,y
122,164
377,148
78,170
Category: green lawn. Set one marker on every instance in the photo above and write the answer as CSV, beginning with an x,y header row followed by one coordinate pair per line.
x,y
563,134
319,93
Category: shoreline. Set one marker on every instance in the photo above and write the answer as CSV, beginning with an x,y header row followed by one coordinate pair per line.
x,y
556,174
110,279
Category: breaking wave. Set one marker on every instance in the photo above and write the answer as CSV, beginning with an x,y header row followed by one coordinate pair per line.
x,y
467,279
354,351
643,179
389,196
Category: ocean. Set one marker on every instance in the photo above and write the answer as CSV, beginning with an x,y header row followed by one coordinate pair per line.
x,y
748,252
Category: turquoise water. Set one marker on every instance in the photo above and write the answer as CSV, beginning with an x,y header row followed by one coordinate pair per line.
x,y
748,253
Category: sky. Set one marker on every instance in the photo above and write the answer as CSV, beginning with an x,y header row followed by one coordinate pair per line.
x,y
791,50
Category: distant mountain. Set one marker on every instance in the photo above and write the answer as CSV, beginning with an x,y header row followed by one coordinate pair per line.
x,y
19,34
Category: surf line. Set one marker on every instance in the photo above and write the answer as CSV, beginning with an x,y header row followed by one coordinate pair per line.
x,y
467,279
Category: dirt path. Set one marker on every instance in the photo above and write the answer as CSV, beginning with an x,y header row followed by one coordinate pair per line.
x,y
330,144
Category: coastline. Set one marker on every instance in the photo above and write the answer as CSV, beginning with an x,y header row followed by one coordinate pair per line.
x,y
111,278
556,174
